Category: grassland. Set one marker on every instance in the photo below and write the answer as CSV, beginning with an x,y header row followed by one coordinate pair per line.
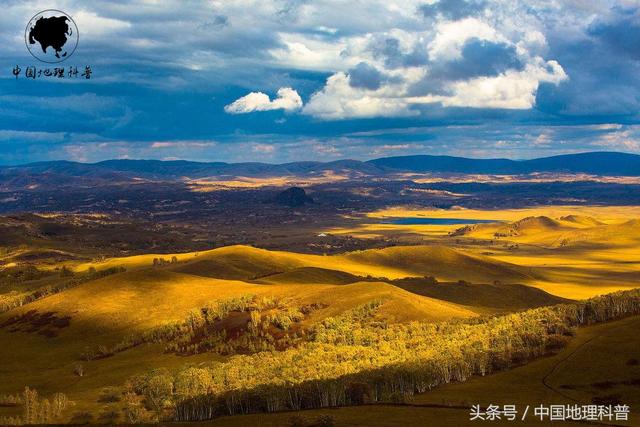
x,y
572,251
529,258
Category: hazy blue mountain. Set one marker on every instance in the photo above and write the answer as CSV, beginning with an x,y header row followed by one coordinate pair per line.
x,y
596,163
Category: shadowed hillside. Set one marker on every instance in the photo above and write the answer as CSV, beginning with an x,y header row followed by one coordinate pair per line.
x,y
490,296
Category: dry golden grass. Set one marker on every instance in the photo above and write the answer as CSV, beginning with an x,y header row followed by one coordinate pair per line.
x,y
606,214
207,185
572,251
399,306
104,311
248,263
568,252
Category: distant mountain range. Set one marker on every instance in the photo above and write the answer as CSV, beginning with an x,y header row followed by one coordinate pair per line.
x,y
594,163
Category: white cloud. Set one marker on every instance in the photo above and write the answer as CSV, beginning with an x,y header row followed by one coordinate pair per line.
x,y
451,36
287,99
263,148
306,53
510,90
628,139
248,42
182,144
513,88
93,26
339,100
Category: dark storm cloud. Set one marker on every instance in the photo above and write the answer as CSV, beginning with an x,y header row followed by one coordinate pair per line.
x,y
389,50
217,22
621,32
482,58
604,70
478,58
453,9
365,76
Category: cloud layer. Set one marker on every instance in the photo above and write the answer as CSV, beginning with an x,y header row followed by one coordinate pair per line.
x,y
262,73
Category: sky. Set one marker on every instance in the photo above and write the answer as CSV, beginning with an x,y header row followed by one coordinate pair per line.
x,y
287,80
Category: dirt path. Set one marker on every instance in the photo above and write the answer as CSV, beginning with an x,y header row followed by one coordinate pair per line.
x,y
556,365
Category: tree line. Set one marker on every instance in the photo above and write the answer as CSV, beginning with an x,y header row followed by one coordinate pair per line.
x,y
355,359
36,409
259,324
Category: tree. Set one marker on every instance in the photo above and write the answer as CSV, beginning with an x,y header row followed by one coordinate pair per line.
x,y
133,411
30,406
158,391
59,404
193,382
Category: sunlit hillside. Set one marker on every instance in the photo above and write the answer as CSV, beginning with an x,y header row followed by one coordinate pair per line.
x,y
90,327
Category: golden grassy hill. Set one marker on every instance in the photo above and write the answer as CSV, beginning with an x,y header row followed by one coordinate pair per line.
x,y
135,261
583,220
249,263
139,300
51,334
536,223
599,237
146,296
241,263
399,305
619,234
132,301
535,227
565,231
438,261
104,311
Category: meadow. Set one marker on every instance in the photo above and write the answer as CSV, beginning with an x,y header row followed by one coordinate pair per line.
x,y
436,321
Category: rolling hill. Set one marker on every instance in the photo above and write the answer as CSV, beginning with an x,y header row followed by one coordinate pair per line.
x,y
565,231
52,335
148,294
490,296
443,263
309,276
437,261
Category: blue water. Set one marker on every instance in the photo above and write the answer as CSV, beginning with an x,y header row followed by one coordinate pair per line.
x,y
435,221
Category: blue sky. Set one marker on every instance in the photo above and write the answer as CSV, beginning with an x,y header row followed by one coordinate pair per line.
x,y
287,80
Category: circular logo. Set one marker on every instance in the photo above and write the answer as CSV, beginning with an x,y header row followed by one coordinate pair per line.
x,y
51,36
